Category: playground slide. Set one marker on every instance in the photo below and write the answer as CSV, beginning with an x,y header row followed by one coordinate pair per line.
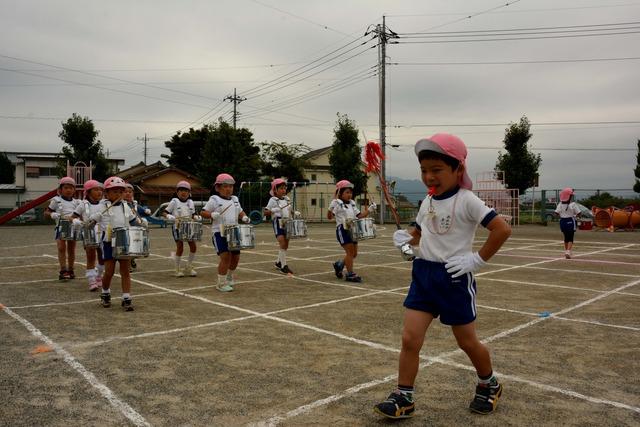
x,y
32,204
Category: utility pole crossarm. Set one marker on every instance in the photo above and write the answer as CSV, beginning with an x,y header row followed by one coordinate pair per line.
x,y
236,100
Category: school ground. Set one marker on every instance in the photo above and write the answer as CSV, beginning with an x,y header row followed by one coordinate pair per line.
x,y
311,349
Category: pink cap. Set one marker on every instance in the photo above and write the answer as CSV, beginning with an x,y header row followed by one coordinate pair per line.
x,y
343,184
66,180
183,184
127,185
449,145
565,195
224,178
114,182
275,183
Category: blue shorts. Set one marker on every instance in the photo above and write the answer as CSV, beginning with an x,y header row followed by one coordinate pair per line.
x,y
107,251
220,243
434,291
279,231
344,236
174,232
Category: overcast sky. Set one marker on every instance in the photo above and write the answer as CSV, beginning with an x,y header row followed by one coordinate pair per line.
x,y
186,56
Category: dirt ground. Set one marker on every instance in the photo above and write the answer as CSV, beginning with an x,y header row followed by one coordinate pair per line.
x,y
311,349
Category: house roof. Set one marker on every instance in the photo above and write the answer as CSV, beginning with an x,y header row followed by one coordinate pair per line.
x,y
140,172
315,153
15,155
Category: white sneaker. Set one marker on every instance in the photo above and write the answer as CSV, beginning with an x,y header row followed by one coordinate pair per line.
x,y
224,288
190,270
179,273
230,282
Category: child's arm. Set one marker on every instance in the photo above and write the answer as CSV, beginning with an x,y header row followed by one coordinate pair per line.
x,y
499,232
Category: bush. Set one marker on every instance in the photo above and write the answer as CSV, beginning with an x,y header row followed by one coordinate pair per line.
x,y
604,200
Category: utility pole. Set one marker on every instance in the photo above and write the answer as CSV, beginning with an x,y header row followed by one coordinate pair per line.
x,y
383,38
144,152
236,100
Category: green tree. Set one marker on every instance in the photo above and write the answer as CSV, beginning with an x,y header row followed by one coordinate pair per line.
x,y
7,170
187,149
231,151
519,164
345,156
82,145
636,171
280,159
603,200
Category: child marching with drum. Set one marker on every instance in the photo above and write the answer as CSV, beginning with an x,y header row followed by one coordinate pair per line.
x,y
61,210
82,217
224,210
181,208
279,208
568,211
343,208
114,213
137,209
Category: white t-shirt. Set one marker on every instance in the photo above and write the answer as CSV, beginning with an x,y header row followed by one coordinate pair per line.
x,y
229,210
181,209
284,204
344,211
65,207
87,208
119,215
452,227
567,210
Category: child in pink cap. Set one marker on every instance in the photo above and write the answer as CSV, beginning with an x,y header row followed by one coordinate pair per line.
x,y
567,211
442,279
280,209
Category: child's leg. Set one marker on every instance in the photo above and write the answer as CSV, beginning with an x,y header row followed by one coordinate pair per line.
x,y
283,242
192,255
414,329
177,258
91,272
349,251
91,258
62,254
400,404
179,248
71,257
223,270
488,390
109,270
125,279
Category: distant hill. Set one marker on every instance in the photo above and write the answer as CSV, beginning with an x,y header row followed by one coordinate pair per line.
x,y
412,189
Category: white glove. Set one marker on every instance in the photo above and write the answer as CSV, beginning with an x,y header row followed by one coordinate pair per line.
x,y
143,222
463,264
246,219
147,211
197,218
76,222
170,217
275,211
215,215
373,206
96,217
55,216
400,237
297,214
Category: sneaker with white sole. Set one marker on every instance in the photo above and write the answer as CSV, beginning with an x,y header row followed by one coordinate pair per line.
x,y
190,270
224,288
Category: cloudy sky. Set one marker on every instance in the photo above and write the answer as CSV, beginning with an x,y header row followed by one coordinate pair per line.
x,y
470,68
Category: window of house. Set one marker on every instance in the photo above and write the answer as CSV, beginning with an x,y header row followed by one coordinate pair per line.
x,y
314,177
33,172
314,202
48,172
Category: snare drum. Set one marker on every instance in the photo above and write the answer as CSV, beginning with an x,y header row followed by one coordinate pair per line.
x,y
90,236
241,236
190,231
363,229
132,242
296,229
68,231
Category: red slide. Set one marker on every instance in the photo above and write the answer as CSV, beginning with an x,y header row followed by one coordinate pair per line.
x,y
32,204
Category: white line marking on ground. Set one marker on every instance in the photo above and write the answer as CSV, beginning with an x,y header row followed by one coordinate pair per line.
x,y
122,407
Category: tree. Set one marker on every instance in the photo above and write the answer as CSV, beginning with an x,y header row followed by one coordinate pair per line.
x,y
636,171
519,164
282,160
345,155
7,170
82,146
187,149
231,151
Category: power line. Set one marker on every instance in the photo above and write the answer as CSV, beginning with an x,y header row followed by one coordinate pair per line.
x,y
584,27
539,61
507,124
401,42
473,15
127,70
17,117
326,27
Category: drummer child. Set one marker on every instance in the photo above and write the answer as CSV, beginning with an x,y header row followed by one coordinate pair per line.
x,y
62,206
181,208
279,207
137,209
82,214
224,210
114,213
345,211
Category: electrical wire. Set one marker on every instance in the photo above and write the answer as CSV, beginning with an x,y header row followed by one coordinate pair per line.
x,y
540,61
